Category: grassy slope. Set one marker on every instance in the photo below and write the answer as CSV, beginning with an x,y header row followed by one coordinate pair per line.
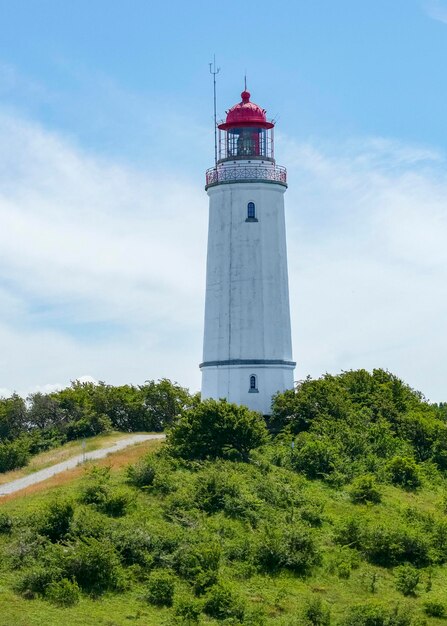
x,y
282,595
62,453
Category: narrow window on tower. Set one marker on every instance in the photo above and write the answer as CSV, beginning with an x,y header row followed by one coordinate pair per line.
x,y
253,384
251,212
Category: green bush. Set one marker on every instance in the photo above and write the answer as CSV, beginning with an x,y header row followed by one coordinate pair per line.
x,y
403,471
88,522
222,602
132,544
286,546
316,613
187,610
94,565
220,489
56,519
5,523
365,489
63,592
198,563
372,614
313,456
160,588
14,454
96,486
26,547
312,513
217,429
36,579
386,545
349,532
142,474
97,490
116,502
407,579
434,608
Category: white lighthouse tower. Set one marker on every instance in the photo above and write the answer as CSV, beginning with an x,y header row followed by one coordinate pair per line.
x,y
247,351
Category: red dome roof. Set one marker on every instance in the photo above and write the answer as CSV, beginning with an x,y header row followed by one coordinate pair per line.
x,y
246,113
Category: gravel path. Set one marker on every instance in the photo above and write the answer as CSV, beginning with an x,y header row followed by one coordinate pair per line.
x,y
37,477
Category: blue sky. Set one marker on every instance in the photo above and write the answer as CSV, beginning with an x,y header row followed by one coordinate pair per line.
x,y
106,129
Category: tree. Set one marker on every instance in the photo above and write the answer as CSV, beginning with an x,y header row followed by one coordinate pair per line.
x,y
217,429
13,417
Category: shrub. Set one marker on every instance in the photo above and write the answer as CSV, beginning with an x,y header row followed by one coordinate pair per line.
x,y
316,613
349,532
95,566
198,563
314,456
407,579
56,519
365,489
98,491
372,614
142,474
63,592
217,429
223,603
88,522
116,502
35,580
27,547
95,487
133,545
160,588
14,454
434,608
214,489
403,471
290,547
312,513
219,490
5,524
187,610
390,546
344,570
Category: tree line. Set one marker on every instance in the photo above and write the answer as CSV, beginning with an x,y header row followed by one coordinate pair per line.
x,y
42,421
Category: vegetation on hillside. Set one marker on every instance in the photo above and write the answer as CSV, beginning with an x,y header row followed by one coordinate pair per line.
x,y
338,517
43,421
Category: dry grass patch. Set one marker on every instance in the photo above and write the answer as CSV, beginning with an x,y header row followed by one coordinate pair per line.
x,y
63,453
115,460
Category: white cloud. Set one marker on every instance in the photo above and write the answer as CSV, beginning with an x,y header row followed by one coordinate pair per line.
x,y
437,10
368,261
102,265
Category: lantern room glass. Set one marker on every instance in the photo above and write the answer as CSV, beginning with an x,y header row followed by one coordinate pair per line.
x,y
246,143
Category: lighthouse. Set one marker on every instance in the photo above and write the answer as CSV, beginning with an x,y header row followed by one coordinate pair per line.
x,y
247,348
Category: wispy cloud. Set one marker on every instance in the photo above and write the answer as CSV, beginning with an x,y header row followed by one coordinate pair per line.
x,y
102,264
368,261
437,10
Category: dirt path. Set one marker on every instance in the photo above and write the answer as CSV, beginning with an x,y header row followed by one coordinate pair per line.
x,y
44,474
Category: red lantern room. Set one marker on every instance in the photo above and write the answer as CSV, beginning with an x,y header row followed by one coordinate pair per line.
x,y
246,133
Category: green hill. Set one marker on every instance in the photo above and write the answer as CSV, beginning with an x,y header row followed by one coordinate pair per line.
x,y
335,514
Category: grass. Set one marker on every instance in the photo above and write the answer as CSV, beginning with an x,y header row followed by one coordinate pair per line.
x,y
62,453
282,596
115,460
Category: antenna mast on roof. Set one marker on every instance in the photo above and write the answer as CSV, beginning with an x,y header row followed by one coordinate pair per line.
x,y
214,71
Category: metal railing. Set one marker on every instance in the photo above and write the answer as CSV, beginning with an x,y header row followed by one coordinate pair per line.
x,y
246,173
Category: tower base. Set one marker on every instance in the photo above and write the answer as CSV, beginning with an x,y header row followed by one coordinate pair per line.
x,y
251,383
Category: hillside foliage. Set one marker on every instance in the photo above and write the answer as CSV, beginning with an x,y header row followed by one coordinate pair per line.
x,y
43,421
334,514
